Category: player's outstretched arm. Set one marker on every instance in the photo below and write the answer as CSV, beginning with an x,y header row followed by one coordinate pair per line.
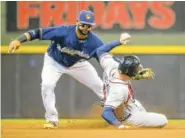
x,y
102,52
124,39
109,115
49,33
15,44
104,49
28,36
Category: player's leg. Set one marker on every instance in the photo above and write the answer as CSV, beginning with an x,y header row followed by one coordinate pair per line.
x,y
113,104
139,106
147,119
85,73
50,75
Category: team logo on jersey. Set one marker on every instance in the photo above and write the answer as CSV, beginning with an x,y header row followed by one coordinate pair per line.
x,y
72,52
88,16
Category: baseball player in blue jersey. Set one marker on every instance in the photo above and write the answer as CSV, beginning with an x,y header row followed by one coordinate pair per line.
x,y
120,107
70,48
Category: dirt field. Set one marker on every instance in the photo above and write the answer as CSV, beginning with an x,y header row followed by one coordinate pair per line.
x,y
83,128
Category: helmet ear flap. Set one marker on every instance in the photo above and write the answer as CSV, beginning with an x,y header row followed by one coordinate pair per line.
x,y
123,68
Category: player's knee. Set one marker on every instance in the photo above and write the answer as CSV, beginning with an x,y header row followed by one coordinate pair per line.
x,y
47,87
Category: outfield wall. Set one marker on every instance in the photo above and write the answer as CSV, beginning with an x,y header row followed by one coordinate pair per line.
x,y
21,80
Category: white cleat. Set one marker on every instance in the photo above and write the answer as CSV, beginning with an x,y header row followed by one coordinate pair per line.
x,y
123,127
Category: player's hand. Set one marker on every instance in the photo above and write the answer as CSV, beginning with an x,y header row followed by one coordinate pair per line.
x,y
145,73
125,38
14,45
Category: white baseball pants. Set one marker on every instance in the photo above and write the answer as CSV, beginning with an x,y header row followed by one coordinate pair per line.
x,y
84,72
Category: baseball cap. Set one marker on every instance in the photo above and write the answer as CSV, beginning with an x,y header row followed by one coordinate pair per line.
x,y
86,17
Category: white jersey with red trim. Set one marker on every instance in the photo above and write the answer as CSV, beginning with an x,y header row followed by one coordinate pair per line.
x,y
116,91
118,94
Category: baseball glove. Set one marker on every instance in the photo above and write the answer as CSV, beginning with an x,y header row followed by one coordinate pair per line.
x,y
145,73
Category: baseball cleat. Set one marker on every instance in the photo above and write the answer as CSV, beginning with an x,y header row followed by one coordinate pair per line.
x,y
123,127
51,125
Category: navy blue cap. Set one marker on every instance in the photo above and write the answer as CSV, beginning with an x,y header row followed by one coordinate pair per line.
x,y
86,17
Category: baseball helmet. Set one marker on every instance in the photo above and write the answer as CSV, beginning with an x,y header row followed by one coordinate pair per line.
x,y
86,17
129,65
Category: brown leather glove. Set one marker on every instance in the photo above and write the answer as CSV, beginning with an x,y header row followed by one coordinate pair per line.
x,y
145,73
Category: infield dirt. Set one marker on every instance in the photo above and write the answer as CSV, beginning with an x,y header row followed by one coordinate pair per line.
x,y
86,128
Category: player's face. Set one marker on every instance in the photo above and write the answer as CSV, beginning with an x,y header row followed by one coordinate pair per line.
x,y
84,28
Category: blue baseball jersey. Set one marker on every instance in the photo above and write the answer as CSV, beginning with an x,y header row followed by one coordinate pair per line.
x,y
65,48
